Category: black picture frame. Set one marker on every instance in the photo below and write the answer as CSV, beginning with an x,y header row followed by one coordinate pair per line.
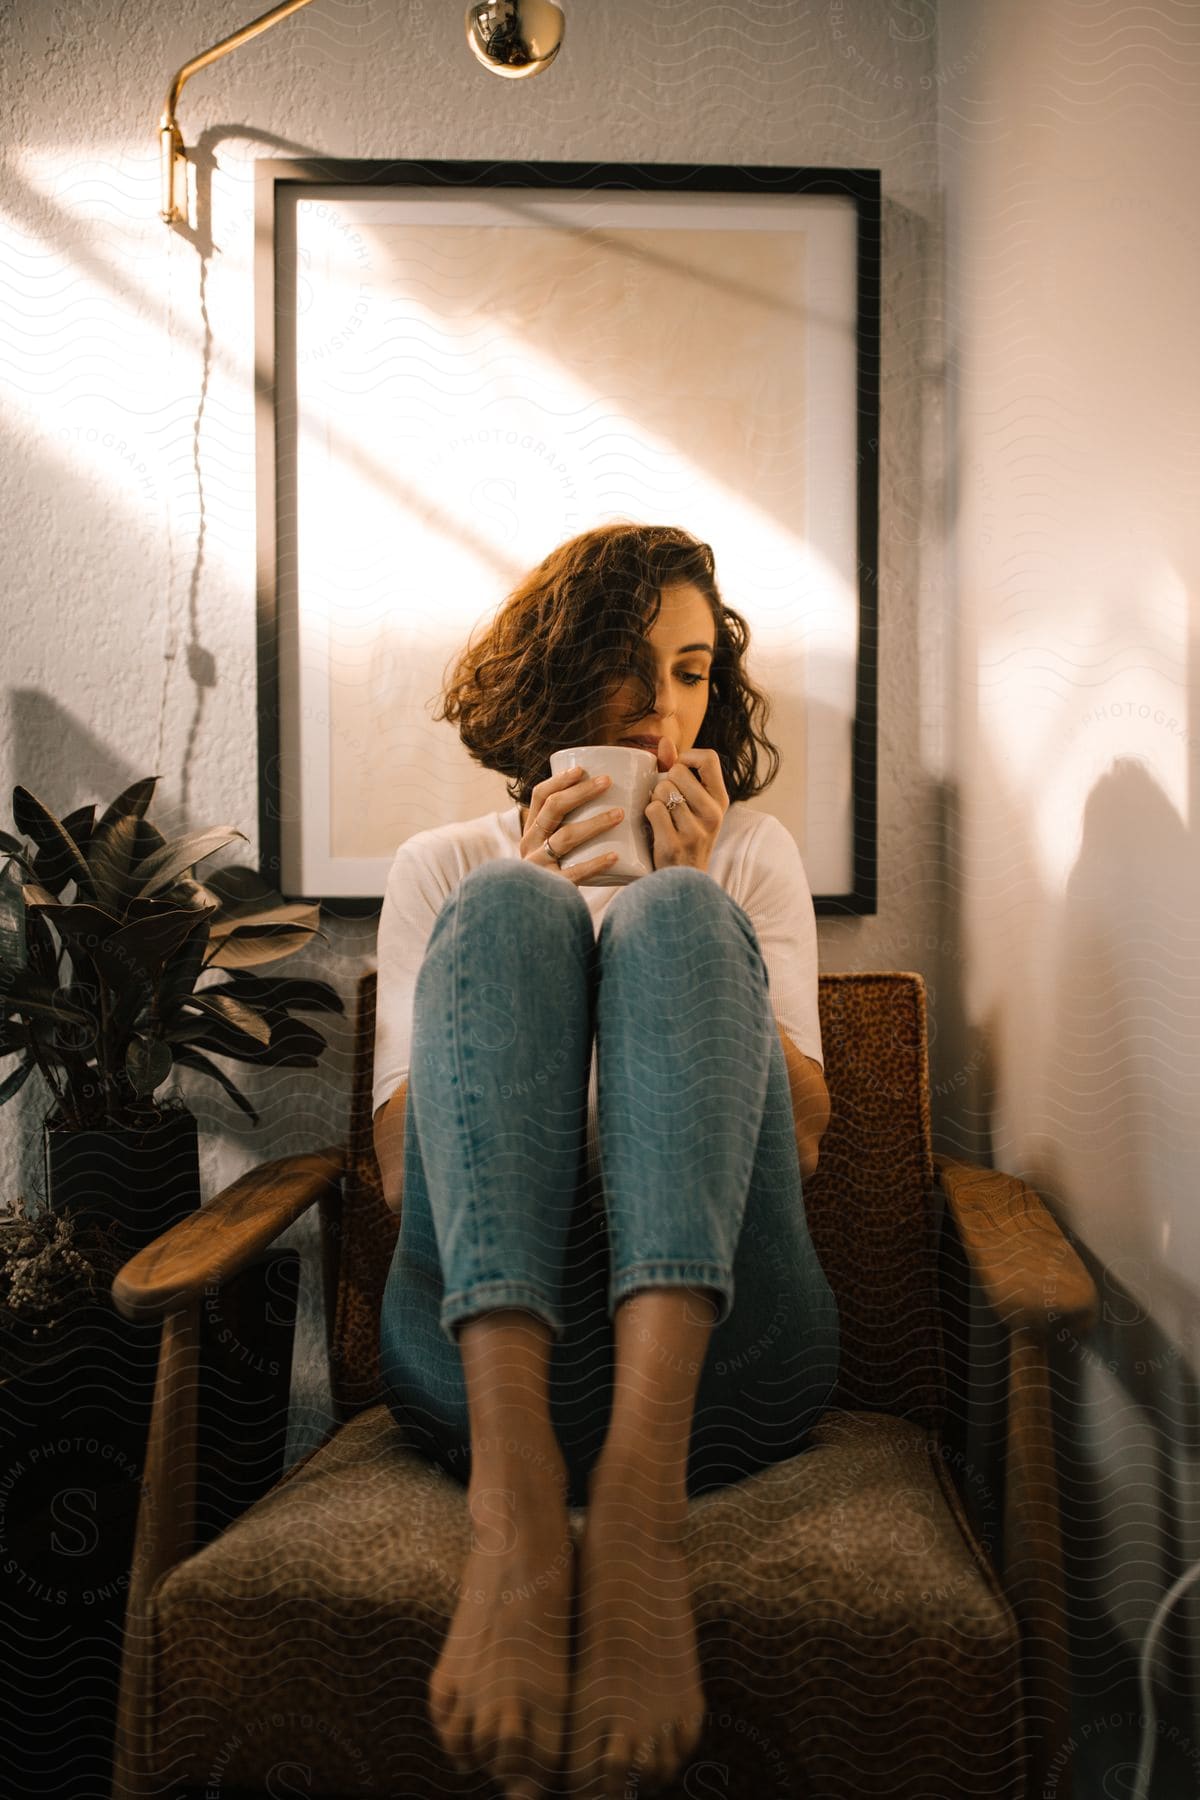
x,y
279,789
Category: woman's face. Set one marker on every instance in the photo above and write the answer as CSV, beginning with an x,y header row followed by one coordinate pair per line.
x,y
681,672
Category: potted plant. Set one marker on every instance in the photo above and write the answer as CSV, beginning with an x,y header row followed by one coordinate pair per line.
x,y
117,967
140,934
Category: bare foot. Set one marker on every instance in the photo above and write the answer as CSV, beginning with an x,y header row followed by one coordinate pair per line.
x,y
637,1701
498,1696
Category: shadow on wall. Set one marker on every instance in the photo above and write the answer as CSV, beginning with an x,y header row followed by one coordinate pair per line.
x,y
1110,1093
1124,1015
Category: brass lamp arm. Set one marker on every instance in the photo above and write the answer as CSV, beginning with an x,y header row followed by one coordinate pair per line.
x,y
170,140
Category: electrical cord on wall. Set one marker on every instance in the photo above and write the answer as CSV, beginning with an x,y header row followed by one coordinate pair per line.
x,y
1141,1786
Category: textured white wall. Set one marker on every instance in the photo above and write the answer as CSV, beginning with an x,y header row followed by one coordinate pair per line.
x,y
1073,255
128,434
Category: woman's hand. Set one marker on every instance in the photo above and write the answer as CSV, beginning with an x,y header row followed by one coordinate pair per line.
x,y
549,804
684,835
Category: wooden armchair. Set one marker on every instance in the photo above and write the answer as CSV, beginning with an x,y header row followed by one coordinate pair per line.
x,y
855,1635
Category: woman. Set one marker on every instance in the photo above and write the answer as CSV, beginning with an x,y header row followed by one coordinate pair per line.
x,y
596,1105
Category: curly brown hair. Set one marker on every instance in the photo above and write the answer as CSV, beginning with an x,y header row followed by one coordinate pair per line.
x,y
572,630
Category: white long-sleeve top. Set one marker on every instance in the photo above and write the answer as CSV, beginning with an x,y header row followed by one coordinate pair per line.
x,y
755,859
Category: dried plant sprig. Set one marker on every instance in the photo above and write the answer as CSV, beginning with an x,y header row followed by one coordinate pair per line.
x,y
48,1265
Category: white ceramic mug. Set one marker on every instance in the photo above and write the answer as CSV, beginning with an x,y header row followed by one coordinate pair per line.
x,y
634,773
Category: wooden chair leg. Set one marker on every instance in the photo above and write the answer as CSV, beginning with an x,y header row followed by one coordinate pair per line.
x,y
165,1533
1033,1569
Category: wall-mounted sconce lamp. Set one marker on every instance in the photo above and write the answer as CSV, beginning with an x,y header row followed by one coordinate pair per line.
x,y
509,37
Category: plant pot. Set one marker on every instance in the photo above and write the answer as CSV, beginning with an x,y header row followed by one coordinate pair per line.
x,y
69,1491
145,1180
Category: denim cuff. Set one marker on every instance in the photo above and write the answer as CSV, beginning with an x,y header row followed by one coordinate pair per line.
x,y
490,1296
674,1274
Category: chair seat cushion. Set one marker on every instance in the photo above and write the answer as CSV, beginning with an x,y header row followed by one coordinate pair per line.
x,y
853,1635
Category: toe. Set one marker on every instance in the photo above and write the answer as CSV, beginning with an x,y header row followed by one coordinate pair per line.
x,y
688,1735
500,1743
664,1759
581,1779
582,1758
441,1703
455,1735
528,1763
546,1739
578,1776
614,1766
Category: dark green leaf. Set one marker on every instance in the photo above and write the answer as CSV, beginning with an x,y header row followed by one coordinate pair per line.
x,y
13,949
44,951
122,953
134,997
80,825
192,895
25,992
13,1083
110,858
191,1059
293,1044
247,946
177,898
237,918
181,970
70,1035
64,861
241,888
286,991
147,1064
77,922
48,869
149,840
140,949
161,868
132,802
231,1012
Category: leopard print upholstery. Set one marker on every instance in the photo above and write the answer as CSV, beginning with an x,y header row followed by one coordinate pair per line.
x,y
853,1640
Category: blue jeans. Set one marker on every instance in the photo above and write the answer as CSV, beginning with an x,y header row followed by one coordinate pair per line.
x,y
701,1179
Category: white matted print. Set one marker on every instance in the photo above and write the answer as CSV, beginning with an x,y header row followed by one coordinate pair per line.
x,y
470,377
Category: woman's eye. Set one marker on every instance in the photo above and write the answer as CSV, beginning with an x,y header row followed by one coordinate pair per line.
x,y
692,680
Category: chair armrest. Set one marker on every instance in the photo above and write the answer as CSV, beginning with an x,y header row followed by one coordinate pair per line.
x,y
166,1281
215,1243
1028,1271
1031,1277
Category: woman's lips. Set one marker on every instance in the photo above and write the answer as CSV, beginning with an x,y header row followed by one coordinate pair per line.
x,y
641,743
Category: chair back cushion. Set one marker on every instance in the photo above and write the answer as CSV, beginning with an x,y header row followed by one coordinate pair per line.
x,y
869,1207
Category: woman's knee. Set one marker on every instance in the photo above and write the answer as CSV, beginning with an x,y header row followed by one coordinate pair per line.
x,y
676,892
489,899
507,881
